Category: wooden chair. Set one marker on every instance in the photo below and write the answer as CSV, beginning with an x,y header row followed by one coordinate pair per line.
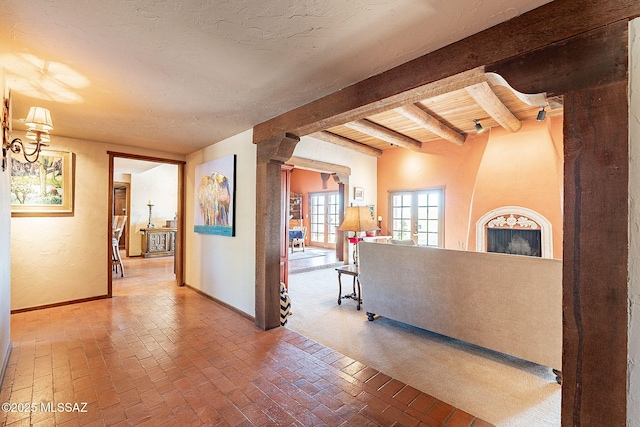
x,y
298,241
119,222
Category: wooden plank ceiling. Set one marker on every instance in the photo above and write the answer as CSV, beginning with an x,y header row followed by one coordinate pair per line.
x,y
450,116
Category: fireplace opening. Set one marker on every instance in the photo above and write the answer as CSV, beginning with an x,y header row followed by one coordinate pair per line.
x,y
514,230
514,241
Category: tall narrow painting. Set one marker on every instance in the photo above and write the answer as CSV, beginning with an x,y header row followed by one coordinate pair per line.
x,y
214,204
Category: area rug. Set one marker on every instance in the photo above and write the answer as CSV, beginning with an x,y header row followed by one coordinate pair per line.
x,y
500,389
304,255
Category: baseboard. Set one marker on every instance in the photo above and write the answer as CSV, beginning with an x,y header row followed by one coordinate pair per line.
x,y
59,304
3,371
222,303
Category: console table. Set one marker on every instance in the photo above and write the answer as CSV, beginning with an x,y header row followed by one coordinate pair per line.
x,y
158,242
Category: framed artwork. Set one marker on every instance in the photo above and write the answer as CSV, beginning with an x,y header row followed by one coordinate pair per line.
x,y
358,193
43,188
214,204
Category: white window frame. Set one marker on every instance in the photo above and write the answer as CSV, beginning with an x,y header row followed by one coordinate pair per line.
x,y
414,221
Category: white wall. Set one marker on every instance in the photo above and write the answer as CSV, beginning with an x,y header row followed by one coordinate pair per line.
x,y
220,266
56,259
224,267
633,372
59,259
159,184
5,260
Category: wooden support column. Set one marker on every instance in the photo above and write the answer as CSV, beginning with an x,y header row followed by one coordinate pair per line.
x,y
342,247
272,154
594,375
590,71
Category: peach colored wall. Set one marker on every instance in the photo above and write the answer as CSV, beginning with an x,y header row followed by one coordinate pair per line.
x,y
489,171
441,164
305,182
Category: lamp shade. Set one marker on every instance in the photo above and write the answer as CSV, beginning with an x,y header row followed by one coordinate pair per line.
x,y
39,119
357,219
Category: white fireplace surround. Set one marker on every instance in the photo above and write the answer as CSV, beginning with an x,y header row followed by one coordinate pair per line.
x,y
507,215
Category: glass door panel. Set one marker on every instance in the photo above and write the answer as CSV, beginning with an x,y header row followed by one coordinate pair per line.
x,y
401,218
428,229
333,217
324,218
317,218
418,215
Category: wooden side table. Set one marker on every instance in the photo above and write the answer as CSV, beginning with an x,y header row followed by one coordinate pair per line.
x,y
351,270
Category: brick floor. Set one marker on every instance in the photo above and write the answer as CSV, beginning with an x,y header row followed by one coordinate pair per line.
x,y
159,355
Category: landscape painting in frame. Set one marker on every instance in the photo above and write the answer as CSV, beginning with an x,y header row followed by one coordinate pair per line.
x,y
214,208
42,188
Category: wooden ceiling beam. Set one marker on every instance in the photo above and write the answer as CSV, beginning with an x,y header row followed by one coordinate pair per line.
x,y
516,36
427,121
346,143
377,131
486,98
319,166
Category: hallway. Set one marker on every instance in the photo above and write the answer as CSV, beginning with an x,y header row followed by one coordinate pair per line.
x,y
157,355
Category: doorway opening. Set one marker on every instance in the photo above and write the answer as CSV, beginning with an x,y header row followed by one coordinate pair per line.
x,y
149,193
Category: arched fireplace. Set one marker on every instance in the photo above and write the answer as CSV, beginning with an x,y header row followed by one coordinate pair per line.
x,y
514,230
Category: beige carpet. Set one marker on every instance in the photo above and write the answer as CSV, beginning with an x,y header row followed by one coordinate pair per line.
x,y
497,388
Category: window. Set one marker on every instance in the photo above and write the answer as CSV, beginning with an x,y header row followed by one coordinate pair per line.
x,y
324,218
418,215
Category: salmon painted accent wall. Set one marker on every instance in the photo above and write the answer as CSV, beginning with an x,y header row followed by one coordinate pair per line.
x,y
491,170
440,164
304,182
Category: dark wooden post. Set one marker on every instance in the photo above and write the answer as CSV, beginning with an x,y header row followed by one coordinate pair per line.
x,y
594,301
271,156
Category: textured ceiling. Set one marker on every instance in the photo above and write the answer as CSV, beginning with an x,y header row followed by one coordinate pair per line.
x,y
177,76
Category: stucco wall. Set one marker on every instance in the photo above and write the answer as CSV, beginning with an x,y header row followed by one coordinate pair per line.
x,y
56,259
159,184
224,267
490,170
59,259
441,164
220,266
5,260
633,394
521,169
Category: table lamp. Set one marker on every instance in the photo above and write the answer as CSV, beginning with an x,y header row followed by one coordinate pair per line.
x,y
358,219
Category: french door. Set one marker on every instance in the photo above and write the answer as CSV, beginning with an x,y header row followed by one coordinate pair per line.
x,y
324,218
418,215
